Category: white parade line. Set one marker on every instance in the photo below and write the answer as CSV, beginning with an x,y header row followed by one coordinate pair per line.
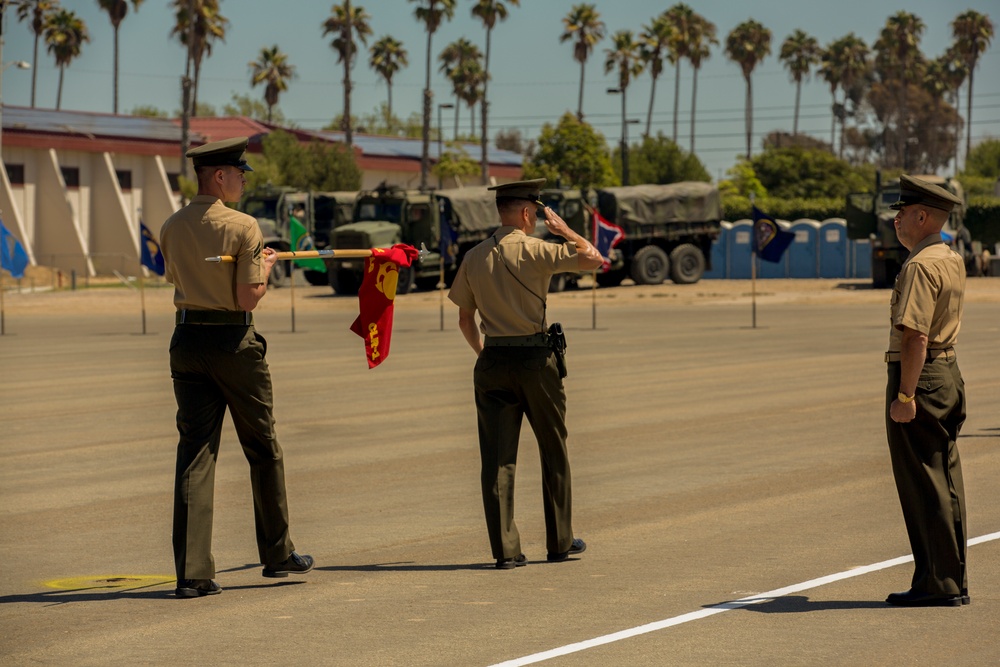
x,y
717,609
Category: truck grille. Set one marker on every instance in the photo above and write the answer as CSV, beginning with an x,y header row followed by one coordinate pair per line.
x,y
348,239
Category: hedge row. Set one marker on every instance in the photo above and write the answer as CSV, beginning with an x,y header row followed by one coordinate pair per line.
x,y
983,220
739,208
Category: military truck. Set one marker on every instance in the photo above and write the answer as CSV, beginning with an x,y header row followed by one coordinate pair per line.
x,y
571,206
322,212
669,230
388,215
869,217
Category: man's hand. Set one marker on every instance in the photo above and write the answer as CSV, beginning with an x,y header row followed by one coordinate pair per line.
x,y
903,412
554,223
270,257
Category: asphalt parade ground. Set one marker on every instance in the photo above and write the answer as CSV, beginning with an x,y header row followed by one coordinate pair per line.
x,y
732,484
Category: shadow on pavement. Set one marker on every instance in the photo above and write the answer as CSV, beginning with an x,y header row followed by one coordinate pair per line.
x,y
796,604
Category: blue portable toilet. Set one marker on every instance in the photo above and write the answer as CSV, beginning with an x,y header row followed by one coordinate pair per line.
x,y
720,255
803,253
861,258
739,249
833,248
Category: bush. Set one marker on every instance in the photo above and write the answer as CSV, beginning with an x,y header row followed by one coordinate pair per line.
x,y
983,220
819,209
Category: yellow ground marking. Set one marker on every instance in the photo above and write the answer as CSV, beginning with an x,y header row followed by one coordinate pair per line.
x,y
110,581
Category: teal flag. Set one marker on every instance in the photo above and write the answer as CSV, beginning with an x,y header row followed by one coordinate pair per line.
x,y
301,241
13,256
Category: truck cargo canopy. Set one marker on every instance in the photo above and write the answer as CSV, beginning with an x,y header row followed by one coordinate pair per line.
x,y
471,208
650,204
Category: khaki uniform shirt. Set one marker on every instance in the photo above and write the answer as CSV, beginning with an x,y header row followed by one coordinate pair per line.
x,y
506,307
205,228
928,295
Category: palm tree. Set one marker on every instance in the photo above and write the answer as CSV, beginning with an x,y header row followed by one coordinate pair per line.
x,y
954,74
973,33
36,12
624,56
584,26
271,68
899,56
748,44
830,67
842,64
681,17
117,10
800,52
470,79
208,25
431,16
489,11
345,24
655,39
65,34
387,57
701,39
455,58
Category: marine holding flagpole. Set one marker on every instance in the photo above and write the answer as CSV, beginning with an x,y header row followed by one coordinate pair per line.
x,y
217,362
519,370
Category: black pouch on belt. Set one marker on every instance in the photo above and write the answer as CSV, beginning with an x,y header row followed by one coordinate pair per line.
x,y
557,343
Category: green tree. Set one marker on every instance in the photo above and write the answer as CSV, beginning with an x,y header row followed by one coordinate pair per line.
x,y
65,35
973,33
984,159
346,24
654,41
245,105
747,45
700,42
742,182
659,160
273,70
900,65
489,12
148,111
317,166
117,11
806,173
431,16
455,163
583,25
36,14
800,52
843,64
201,30
388,57
571,153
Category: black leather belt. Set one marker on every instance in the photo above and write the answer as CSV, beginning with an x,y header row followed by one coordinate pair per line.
x,y
948,353
534,340
237,317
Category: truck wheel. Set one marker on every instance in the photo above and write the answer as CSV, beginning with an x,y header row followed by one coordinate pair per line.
x,y
404,282
611,278
650,266
316,278
278,273
687,264
557,283
344,282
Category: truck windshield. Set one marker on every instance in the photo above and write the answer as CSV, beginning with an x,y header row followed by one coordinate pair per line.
x,y
262,208
376,209
890,197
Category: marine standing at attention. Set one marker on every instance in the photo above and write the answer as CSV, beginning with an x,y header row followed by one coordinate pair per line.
x,y
217,361
925,398
506,278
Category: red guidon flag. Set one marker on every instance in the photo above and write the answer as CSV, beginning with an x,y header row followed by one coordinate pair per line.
x,y
378,290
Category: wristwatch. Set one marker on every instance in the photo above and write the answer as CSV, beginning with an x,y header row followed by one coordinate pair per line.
x,y
903,398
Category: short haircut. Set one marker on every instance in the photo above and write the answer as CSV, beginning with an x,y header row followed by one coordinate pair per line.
x,y
506,205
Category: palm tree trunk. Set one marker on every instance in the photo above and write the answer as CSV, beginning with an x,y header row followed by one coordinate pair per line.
x,y
968,121
958,131
484,166
62,70
425,160
579,102
194,87
833,121
749,116
472,121
652,96
390,101
677,95
798,97
269,107
694,99
34,72
458,110
348,137
115,106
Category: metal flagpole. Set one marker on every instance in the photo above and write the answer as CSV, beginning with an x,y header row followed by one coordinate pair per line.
x,y
2,329
593,303
753,285
142,299
291,277
441,291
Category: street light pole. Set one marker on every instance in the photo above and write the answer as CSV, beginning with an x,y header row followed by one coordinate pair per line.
x,y
443,105
623,144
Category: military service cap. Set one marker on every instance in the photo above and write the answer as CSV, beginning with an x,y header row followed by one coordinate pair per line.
x,y
916,191
528,190
221,153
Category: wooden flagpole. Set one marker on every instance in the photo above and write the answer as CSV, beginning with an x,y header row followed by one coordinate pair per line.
x,y
303,254
291,278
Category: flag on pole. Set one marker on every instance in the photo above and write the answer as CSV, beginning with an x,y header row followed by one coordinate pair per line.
x,y
149,251
448,241
376,296
301,241
13,256
607,235
769,240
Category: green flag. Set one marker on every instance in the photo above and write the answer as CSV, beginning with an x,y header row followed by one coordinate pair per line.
x,y
302,241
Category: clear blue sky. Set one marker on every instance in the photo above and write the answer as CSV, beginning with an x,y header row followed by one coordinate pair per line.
x,y
535,78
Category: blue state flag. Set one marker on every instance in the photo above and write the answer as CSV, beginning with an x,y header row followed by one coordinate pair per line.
x,y
606,236
149,251
448,241
769,240
13,256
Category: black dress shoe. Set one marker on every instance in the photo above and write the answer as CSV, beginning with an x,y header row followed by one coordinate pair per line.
x,y
294,564
195,588
519,560
577,547
913,598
